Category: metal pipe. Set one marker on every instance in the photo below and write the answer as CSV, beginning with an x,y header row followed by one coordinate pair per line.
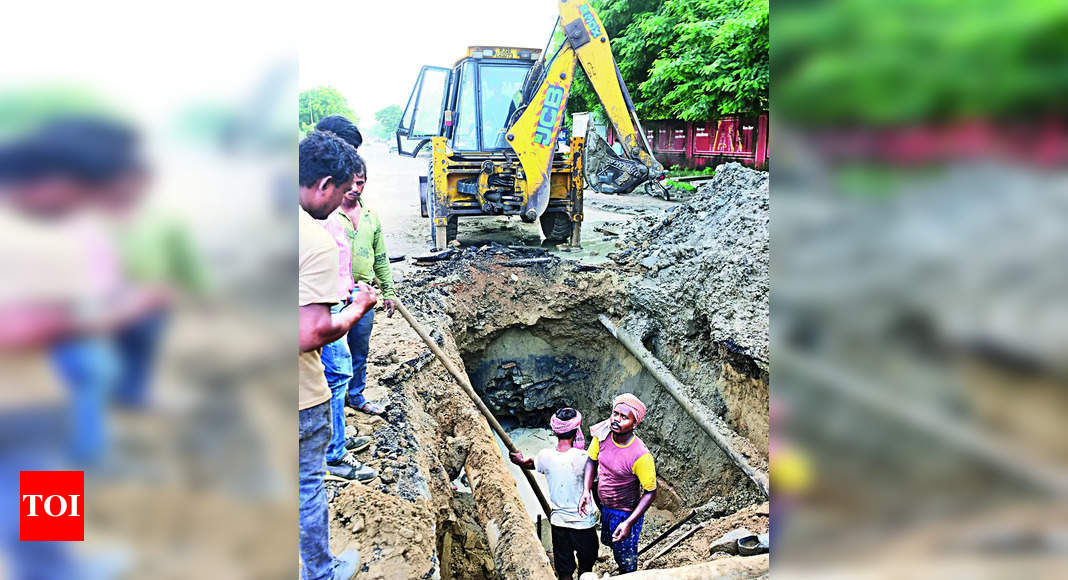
x,y
465,384
675,543
673,386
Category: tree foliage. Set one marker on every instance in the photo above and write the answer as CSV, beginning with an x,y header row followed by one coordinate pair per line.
x,y
322,102
886,63
686,59
388,118
23,109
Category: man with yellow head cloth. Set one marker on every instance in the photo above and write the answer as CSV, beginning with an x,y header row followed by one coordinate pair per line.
x,y
626,479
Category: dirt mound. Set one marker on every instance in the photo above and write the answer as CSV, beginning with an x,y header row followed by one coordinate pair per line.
x,y
706,263
379,526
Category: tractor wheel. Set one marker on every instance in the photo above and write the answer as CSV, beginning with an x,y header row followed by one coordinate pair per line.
x,y
556,226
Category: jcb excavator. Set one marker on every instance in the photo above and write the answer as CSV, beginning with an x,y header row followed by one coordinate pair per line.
x,y
492,122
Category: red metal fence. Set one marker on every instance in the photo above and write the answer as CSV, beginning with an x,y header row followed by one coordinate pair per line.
x,y
708,143
1043,142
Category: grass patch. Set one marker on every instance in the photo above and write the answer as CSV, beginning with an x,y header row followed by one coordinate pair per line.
x,y
679,185
677,171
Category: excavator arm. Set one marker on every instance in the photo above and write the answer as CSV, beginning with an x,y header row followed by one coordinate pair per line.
x,y
533,134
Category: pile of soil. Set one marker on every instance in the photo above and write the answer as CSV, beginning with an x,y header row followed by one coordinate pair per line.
x,y
698,298
704,264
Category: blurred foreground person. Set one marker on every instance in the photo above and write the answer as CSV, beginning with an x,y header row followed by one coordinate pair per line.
x,y
327,165
39,196
59,178
116,361
62,301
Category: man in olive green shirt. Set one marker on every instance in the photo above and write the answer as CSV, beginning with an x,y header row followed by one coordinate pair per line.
x,y
369,261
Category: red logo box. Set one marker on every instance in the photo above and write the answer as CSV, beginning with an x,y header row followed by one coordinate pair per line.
x,y
51,506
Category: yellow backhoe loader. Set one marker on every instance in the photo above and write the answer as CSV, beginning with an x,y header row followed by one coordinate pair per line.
x,y
492,120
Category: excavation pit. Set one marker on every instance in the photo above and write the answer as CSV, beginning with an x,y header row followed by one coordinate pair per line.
x,y
689,284
524,373
530,342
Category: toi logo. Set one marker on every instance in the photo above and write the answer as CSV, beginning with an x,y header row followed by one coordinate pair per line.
x,y
51,506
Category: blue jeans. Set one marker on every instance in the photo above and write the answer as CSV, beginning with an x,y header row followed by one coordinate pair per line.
x,y
625,551
314,520
338,363
137,344
90,368
359,339
30,441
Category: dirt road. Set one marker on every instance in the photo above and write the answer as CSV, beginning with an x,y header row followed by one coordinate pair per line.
x,y
392,190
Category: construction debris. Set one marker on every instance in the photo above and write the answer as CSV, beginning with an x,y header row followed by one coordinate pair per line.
x,y
754,544
728,543
667,532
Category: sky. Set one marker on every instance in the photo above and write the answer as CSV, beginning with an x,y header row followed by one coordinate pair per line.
x,y
148,59
378,63
152,71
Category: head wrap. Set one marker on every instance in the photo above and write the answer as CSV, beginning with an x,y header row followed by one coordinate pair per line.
x,y
575,423
633,403
603,429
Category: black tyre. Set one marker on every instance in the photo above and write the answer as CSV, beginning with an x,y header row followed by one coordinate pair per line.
x,y
556,226
424,187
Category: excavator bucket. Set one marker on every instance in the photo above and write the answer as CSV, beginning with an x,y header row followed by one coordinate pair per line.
x,y
607,172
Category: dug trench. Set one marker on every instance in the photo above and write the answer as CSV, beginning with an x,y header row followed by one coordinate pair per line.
x,y
524,327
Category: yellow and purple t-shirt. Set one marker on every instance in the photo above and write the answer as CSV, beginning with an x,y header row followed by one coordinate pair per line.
x,y
624,471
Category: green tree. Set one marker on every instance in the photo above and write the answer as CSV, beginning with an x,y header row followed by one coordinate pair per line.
x,y
686,59
388,119
888,63
322,102
23,109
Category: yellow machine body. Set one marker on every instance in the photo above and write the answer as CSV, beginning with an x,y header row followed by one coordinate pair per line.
x,y
492,123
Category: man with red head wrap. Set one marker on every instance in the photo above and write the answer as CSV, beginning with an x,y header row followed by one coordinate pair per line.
x,y
563,465
626,479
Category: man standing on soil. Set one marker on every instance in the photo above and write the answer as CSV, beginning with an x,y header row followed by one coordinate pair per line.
x,y
573,533
341,461
327,165
363,229
626,479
